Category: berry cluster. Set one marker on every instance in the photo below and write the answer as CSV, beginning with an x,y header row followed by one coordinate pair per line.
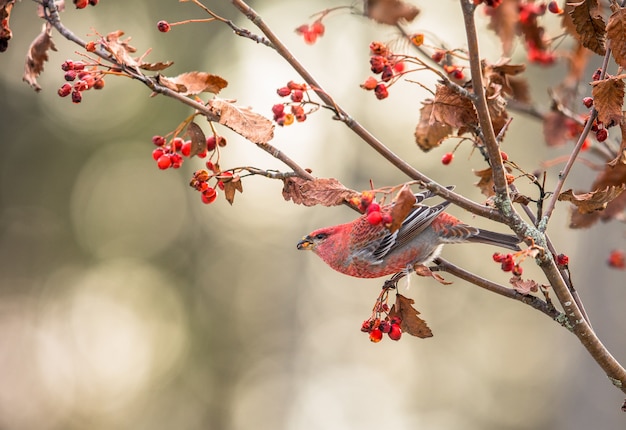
x,y
388,65
508,264
201,182
83,80
81,4
372,210
376,327
298,93
170,154
311,32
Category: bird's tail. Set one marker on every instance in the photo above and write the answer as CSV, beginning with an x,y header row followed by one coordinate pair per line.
x,y
498,239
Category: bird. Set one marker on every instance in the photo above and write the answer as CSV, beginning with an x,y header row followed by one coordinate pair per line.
x,y
363,250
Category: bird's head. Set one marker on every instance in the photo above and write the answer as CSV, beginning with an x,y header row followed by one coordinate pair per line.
x,y
313,240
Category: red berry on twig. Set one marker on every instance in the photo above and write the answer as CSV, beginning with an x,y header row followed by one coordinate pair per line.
x,y
447,158
163,26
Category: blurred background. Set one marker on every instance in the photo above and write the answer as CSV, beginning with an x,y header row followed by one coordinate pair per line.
x,y
126,303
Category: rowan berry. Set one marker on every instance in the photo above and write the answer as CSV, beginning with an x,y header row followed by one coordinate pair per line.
x,y
373,207
458,74
318,28
81,85
374,218
387,73
296,86
588,102
399,66
554,7
156,154
90,46
616,259
177,160
163,26
288,119
65,90
79,65
387,220
70,75
366,327
562,260
497,257
376,335
209,195
395,320
81,4
395,332
98,84
586,145
77,97
384,326
507,264
377,63
504,156
67,65
517,270
447,158
158,140
283,91
211,142
297,95
278,110
309,37
164,161
186,148
370,83
438,55
381,91
596,75
602,134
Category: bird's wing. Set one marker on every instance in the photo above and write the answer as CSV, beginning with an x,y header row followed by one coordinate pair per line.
x,y
413,224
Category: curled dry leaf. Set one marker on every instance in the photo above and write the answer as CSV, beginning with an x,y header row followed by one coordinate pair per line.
x,y
243,121
608,97
452,108
37,55
390,12
524,286
120,49
411,323
5,31
589,24
322,191
422,270
429,133
197,137
231,185
403,205
616,34
621,153
191,83
593,201
155,67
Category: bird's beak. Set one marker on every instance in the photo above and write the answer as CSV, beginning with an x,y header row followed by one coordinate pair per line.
x,y
305,243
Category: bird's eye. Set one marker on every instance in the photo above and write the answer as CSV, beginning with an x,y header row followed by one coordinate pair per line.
x,y
320,236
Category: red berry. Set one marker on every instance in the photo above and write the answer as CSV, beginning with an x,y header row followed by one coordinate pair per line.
x,y
373,207
381,91
70,75
98,84
596,75
284,91
209,195
395,332
447,158
458,74
164,161
497,257
186,148
586,145
370,83
376,335
602,134
221,141
211,143
176,160
384,326
90,46
296,86
396,320
67,65
278,110
377,63
562,260
616,259
374,218
318,28
387,220
437,56
366,327
93,2
309,37
588,102
158,140
77,97
297,96
399,66
164,26
517,270
81,4
554,7
156,154
504,156
80,85
387,73
65,90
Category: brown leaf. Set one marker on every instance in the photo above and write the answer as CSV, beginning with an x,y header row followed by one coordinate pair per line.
x,y
403,205
486,181
500,79
37,55
231,185
411,323
322,191
197,137
120,49
191,83
429,133
616,34
155,67
612,176
5,31
520,90
608,97
522,286
390,12
243,121
503,21
422,270
589,24
498,112
621,153
594,200
452,108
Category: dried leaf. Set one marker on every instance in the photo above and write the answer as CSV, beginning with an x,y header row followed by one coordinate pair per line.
x,y
191,83
120,49
411,323
594,200
589,24
243,121
621,153
486,181
503,21
428,133
452,108
616,34
322,191
5,31
230,186
403,205
422,270
612,176
37,55
498,112
522,286
155,67
608,97
197,137
390,12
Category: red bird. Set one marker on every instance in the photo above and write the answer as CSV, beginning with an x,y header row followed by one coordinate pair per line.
x,y
363,250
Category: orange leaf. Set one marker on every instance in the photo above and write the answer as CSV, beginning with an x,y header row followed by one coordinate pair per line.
x,y
390,11
429,133
322,191
608,97
587,19
37,56
403,205
191,83
242,120
411,323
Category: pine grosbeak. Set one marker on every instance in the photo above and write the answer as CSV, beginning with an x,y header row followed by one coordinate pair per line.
x,y
363,250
